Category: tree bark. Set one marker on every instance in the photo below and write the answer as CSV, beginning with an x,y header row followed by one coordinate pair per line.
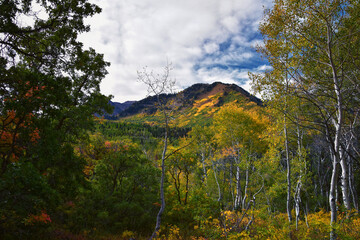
x,y
288,176
246,184
297,202
344,181
204,177
162,193
297,195
338,124
352,187
332,198
217,182
238,189
230,182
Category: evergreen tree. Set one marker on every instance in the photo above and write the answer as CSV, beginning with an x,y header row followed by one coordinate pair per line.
x,y
50,90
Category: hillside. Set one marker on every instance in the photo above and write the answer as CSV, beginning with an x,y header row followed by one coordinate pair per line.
x,y
118,108
195,104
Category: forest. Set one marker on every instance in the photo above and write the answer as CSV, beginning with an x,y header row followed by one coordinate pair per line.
x,y
219,166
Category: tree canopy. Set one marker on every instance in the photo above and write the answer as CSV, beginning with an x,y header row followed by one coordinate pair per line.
x,y
49,94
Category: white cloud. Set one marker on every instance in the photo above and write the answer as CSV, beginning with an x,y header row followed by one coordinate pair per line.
x,y
263,68
211,48
231,23
190,33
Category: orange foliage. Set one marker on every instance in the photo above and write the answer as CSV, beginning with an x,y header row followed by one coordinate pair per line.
x,y
41,218
229,151
12,127
35,135
17,132
33,91
107,144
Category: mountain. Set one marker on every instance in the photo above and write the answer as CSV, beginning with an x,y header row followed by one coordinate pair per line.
x,y
194,104
118,108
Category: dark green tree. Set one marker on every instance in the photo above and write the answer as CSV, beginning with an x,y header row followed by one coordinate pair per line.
x,y
122,191
49,91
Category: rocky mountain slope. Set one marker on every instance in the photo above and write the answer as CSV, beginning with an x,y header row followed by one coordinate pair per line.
x,y
194,104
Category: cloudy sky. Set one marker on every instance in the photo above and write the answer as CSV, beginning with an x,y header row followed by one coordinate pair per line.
x,y
205,40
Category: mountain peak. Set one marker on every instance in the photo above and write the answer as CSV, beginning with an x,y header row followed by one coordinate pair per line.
x,y
202,90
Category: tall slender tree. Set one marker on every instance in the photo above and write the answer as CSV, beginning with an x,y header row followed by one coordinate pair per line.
x,y
159,85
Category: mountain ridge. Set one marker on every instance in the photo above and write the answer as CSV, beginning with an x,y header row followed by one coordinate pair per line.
x,y
188,98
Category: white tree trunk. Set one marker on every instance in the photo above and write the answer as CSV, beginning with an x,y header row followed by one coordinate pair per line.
x,y
344,181
230,183
238,189
288,176
297,194
246,185
332,197
338,124
297,199
217,182
353,189
162,191
204,178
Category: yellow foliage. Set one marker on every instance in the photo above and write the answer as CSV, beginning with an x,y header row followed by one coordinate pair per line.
x,y
127,234
203,106
243,235
174,233
276,226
